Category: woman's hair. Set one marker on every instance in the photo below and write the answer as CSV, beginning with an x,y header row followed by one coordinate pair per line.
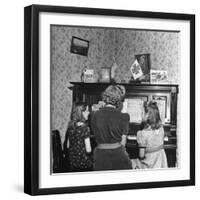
x,y
114,95
77,113
153,120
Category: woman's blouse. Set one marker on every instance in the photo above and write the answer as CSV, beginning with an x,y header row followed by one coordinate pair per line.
x,y
109,124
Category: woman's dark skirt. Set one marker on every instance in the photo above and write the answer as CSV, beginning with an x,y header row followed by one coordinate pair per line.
x,y
111,159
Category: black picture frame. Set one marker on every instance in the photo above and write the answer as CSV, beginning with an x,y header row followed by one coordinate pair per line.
x,y
79,46
145,63
32,95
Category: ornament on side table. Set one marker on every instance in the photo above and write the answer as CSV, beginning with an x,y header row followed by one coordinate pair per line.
x,y
113,72
87,75
105,75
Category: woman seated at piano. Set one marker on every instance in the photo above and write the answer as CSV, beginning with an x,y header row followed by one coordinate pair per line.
x,y
151,141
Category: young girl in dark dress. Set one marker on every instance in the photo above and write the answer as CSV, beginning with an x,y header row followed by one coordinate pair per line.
x,y
78,142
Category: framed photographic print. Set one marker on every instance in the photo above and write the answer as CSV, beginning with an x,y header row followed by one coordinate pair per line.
x,y
64,151
144,62
79,46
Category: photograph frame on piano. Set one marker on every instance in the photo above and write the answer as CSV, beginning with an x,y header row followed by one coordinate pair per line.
x,y
49,89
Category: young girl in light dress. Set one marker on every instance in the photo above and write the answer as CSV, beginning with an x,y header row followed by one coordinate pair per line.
x,y
150,141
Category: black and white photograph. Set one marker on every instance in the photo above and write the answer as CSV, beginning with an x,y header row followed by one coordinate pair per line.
x,y
117,124
111,95
99,100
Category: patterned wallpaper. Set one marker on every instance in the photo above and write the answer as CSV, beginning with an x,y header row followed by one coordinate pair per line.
x,y
162,46
66,67
106,46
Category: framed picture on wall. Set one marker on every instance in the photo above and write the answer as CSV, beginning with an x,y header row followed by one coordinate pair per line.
x,y
143,61
53,89
79,46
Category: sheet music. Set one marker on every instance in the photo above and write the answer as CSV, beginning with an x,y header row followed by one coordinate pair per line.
x,y
134,107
